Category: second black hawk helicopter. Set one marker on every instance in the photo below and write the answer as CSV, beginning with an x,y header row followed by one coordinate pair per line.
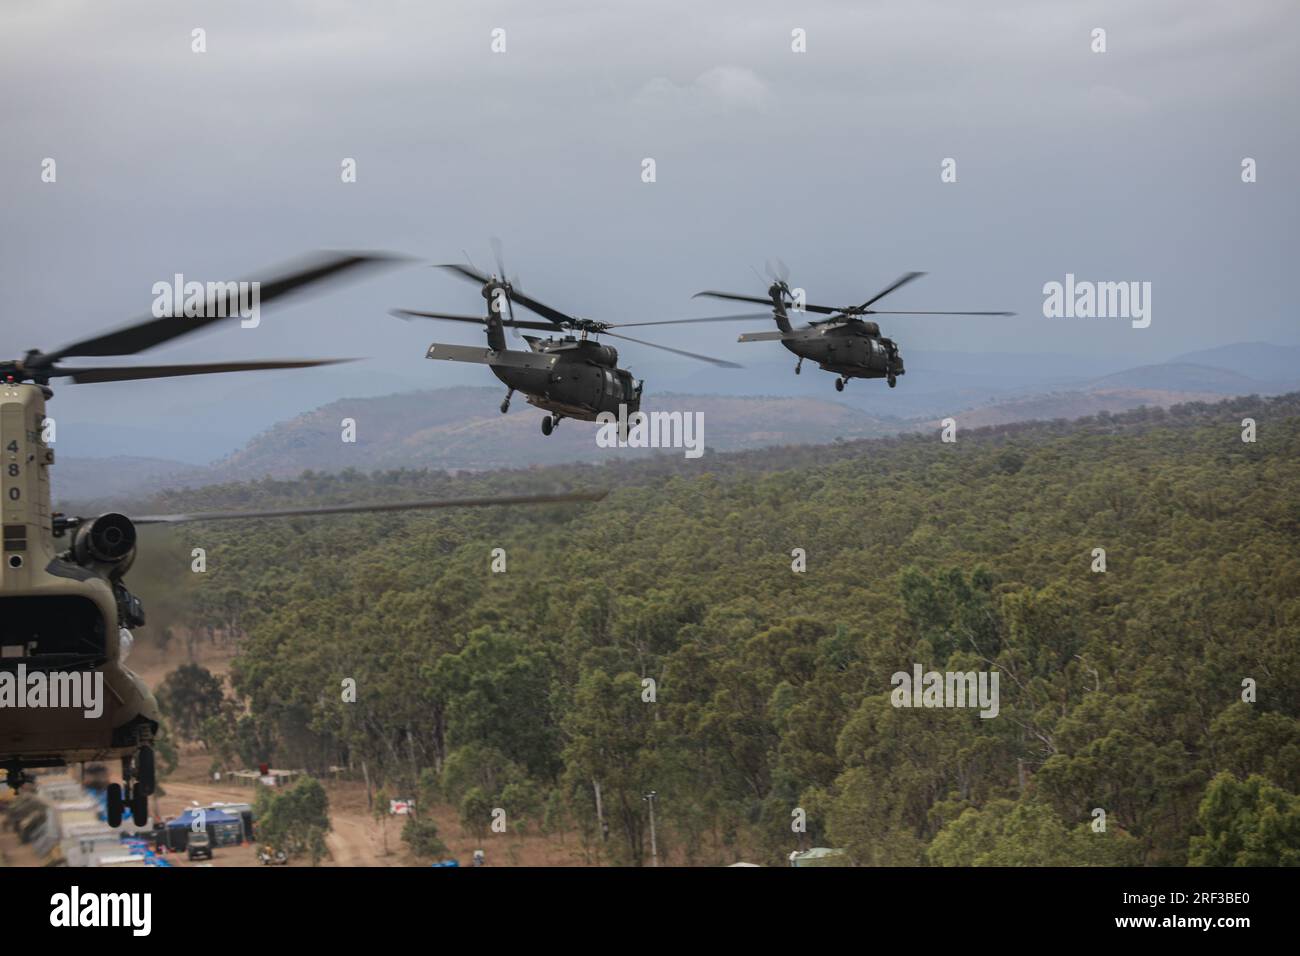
x,y
569,376
65,612
845,343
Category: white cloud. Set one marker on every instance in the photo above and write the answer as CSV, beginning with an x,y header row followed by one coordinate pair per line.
x,y
720,88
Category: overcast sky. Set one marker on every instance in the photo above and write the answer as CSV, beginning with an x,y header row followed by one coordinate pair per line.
x,y
1117,166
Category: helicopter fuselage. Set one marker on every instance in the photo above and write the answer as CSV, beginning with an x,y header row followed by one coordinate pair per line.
x,y
855,349
570,377
61,613
846,343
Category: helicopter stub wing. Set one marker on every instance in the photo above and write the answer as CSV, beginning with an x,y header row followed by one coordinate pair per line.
x,y
482,356
777,336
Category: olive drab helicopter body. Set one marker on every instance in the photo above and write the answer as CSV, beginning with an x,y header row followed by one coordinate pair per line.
x,y
65,611
845,343
572,376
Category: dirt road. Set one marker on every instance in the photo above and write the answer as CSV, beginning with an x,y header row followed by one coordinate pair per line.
x,y
352,841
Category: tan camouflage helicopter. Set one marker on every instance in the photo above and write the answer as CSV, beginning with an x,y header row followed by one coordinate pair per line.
x,y
65,612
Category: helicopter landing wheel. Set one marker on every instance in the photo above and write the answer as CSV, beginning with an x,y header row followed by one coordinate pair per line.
x,y
798,367
505,405
145,774
548,426
839,385
15,777
893,381
114,805
139,806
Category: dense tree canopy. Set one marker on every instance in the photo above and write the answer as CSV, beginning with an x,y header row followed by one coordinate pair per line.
x,y
660,640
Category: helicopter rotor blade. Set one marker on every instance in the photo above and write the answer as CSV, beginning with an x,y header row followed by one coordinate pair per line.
x,y
747,317
560,319
501,271
139,336
732,297
818,309
902,280
409,314
545,311
430,503
514,284
88,376
467,272
495,243
703,358
886,312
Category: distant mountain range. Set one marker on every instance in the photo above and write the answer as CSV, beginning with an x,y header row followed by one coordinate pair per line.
x,y
461,428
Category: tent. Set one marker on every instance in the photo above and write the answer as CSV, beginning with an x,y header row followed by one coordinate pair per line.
x,y
821,856
225,829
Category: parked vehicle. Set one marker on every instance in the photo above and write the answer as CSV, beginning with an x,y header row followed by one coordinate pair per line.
x,y
199,845
270,856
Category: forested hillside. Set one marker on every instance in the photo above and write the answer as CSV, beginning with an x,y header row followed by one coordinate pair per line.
x,y
1121,691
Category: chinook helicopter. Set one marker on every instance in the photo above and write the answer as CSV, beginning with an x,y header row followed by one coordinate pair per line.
x,y
65,612
570,377
846,343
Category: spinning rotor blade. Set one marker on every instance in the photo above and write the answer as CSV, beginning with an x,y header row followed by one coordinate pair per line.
x,y
777,270
555,315
409,314
818,309
87,376
545,311
557,498
495,243
886,312
416,314
514,284
732,296
501,271
140,336
747,317
841,312
703,358
468,272
902,281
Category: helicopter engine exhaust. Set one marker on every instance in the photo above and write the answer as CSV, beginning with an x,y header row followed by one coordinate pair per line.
x,y
108,539
605,354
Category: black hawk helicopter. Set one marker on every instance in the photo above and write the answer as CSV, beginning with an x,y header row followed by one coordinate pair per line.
x,y
65,611
846,344
570,376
